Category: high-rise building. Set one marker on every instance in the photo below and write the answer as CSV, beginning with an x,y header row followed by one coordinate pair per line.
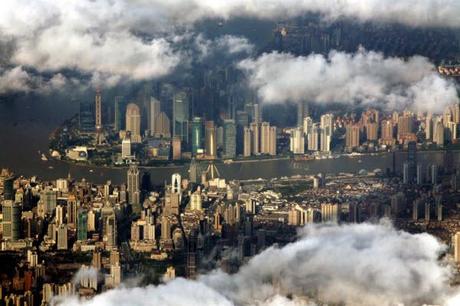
x,y
429,127
313,138
405,126
49,199
126,148
272,141
456,243
8,187
82,225
297,141
438,134
133,122
98,110
62,241
210,140
155,110
162,125
181,105
197,136
256,117
352,137
327,130
176,148
247,135
330,212
387,132
265,138
110,231
372,131
11,220
133,185
307,125
86,116
119,113
72,206
176,182
255,138
229,139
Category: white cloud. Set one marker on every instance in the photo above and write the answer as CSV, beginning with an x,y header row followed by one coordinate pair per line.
x,y
356,265
364,77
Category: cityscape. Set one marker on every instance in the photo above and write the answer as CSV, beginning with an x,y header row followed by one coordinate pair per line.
x,y
230,153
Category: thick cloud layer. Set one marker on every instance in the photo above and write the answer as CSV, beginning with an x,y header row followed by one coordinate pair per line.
x,y
364,77
352,264
125,39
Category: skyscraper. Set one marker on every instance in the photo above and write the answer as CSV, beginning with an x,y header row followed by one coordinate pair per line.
x,y
313,138
197,135
133,185
86,116
255,138
181,105
265,138
211,141
352,137
247,142
438,134
98,110
387,132
272,141
176,148
133,122
119,113
162,125
229,138
11,220
62,242
297,141
82,225
155,110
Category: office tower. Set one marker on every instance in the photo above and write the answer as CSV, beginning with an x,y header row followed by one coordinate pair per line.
x,y
176,182
72,210
11,220
255,138
197,136
411,160
196,201
428,127
297,141
398,204
220,136
181,105
330,213
210,139
62,242
162,125
302,112
447,115
82,225
133,122
405,126
427,211
119,113
165,228
49,198
406,176
456,243
372,131
62,185
133,184
451,132
307,125
257,114
456,113
420,175
176,148
265,138
242,118
229,139
387,133
8,188
247,135
98,110
434,174
313,138
110,231
154,112
438,134
91,221
327,130
272,141
86,116
126,148
352,137
59,215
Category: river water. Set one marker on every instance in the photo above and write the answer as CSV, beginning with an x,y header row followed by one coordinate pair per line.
x,y
26,124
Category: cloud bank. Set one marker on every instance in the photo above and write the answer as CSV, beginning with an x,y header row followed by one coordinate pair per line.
x,y
118,40
365,77
365,264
